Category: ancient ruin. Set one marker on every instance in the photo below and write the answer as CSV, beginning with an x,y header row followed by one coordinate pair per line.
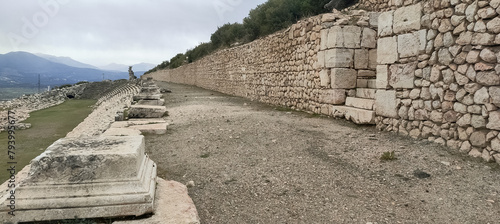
x,y
425,69
99,170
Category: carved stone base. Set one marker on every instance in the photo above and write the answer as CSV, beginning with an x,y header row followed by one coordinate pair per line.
x,y
85,178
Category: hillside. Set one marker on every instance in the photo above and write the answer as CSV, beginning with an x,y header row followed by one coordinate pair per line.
x,y
22,69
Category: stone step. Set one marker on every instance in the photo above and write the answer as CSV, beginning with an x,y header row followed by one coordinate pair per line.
x,y
146,111
367,83
366,93
360,103
144,96
145,126
356,115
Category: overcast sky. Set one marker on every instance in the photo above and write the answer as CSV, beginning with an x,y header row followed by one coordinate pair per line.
x,y
127,32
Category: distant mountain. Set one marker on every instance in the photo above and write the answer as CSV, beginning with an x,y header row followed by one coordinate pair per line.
x,y
66,61
142,67
21,69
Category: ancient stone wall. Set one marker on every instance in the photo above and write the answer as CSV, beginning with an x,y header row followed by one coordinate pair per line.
x,y
436,65
443,84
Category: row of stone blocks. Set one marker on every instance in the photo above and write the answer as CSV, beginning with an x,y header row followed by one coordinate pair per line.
x,y
89,177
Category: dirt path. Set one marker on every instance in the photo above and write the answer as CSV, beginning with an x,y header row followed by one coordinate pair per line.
x,y
253,163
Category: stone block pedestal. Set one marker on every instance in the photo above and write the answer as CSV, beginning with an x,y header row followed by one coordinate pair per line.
x,y
85,178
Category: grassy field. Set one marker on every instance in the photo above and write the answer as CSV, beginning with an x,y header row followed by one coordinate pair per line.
x,y
48,126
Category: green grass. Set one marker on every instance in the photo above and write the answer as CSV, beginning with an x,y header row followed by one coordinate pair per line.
x,y
48,125
388,156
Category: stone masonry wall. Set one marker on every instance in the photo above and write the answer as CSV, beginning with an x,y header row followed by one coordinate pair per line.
x,y
436,62
310,66
443,84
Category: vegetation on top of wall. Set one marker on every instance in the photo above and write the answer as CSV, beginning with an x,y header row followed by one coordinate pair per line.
x,y
267,18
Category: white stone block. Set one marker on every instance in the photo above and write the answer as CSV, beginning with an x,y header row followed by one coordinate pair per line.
x,y
324,39
369,39
360,103
361,58
372,59
408,45
387,50
335,37
343,78
339,58
402,76
332,96
325,78
386,104
352,36
407,18
321,59
385,21
382,76
422,38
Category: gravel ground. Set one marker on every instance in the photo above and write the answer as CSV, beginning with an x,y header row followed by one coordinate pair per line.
x,y
255,163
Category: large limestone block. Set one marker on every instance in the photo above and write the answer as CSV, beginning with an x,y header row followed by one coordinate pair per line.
x,y
343,78
352,36
358,116
144,126
335,37
325,78
159,102
386,104
382,76
332,96
369,39
407,18
106,176
339,58
146,111
494,120
360,103
361,58
408,45
387,50
385,21
146,96
402,75
366,93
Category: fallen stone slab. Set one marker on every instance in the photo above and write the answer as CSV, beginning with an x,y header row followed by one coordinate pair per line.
x,y
145,126
145,96
159,102
146,111
94,177
172,206
121,132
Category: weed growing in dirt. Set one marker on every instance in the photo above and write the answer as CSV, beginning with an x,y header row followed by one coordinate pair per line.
x,y
388,156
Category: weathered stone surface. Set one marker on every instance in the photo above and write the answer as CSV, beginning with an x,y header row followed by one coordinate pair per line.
x,y
360,103
494,120
335,38
488,78
494,25
87,178
343,78
483,39
408,45
146,111
352,36
121,132
386,48
361,59
407,18
382,76
481,96
325,78
478,139
339,58
366,93
402,75
385,21
478,121
471,11
369,38
332,96
386,104
444,56
495,95
145,96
